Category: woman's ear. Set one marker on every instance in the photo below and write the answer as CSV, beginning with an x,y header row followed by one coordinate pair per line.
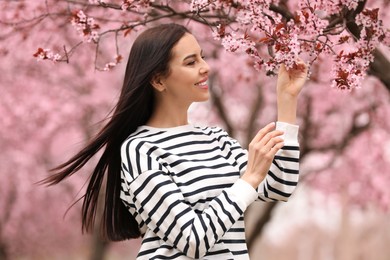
x,y
157,83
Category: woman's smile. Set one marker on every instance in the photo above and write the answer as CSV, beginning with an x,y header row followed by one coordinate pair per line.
x,y
203,84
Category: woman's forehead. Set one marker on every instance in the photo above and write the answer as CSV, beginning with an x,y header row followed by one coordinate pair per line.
x,y
187,45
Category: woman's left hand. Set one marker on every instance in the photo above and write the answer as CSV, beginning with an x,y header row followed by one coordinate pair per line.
x,y
291,81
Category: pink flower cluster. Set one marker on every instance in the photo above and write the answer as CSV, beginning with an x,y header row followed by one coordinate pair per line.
x,y
307,34
86,26
46,54
350,67
197,6
110,65
263,28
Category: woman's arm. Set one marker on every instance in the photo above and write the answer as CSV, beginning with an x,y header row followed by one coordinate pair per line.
x,y
273,159
289,85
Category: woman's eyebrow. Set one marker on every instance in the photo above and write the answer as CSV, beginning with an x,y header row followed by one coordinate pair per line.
x,y
192,55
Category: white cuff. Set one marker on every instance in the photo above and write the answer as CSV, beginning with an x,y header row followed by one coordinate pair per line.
x,y
290,132
244,192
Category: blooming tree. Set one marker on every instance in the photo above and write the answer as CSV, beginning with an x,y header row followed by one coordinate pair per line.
x,y
271,32
49,105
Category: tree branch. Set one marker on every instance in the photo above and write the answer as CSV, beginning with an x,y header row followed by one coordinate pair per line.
x,y
260,224
257,105
217,101
380,68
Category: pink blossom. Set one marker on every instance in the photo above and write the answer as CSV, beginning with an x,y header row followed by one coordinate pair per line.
x,y
198,5
46,54
85,26
112,64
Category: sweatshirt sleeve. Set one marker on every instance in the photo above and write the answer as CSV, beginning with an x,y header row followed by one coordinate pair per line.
x,y
157,202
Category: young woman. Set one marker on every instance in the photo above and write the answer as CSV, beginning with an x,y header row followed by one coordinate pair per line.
x,y
183,188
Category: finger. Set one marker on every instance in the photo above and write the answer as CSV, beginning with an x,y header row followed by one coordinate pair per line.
x,y
276,148
275,142
265,149
268,152
271,143
282,68
260,135
300,65
269,137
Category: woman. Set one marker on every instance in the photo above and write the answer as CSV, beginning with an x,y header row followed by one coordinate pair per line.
x,y
183,188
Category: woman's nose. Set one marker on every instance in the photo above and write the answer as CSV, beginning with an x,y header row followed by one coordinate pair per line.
x,y
205,68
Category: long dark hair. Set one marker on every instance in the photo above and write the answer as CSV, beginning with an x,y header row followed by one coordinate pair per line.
x,y
149,56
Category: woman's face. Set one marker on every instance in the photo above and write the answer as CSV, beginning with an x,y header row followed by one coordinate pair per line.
x,y
187,80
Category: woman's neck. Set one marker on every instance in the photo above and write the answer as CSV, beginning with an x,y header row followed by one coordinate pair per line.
x,y
158,123
168,116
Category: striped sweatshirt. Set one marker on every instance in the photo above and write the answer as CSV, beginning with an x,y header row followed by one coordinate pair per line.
x,y
183,187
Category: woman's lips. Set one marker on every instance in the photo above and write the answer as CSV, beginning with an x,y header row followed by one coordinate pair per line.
x,y
202,85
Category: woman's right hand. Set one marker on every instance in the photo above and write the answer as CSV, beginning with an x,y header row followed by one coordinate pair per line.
x,y
262,150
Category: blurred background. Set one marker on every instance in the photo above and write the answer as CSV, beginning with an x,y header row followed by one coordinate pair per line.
x,y
49,109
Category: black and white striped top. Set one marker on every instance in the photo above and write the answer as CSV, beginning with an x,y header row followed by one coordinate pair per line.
x,y
182,186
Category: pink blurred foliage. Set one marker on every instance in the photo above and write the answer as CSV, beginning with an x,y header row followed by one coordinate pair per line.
x,y
52,103
345,139
48,110
350,137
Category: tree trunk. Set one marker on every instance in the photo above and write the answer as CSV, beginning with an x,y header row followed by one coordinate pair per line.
x,y
380,68
259,226
3,252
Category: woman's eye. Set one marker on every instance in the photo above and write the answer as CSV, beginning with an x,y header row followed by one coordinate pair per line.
x,y
193,62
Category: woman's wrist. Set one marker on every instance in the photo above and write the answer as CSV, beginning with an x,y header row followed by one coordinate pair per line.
x,y
253,179
287,108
